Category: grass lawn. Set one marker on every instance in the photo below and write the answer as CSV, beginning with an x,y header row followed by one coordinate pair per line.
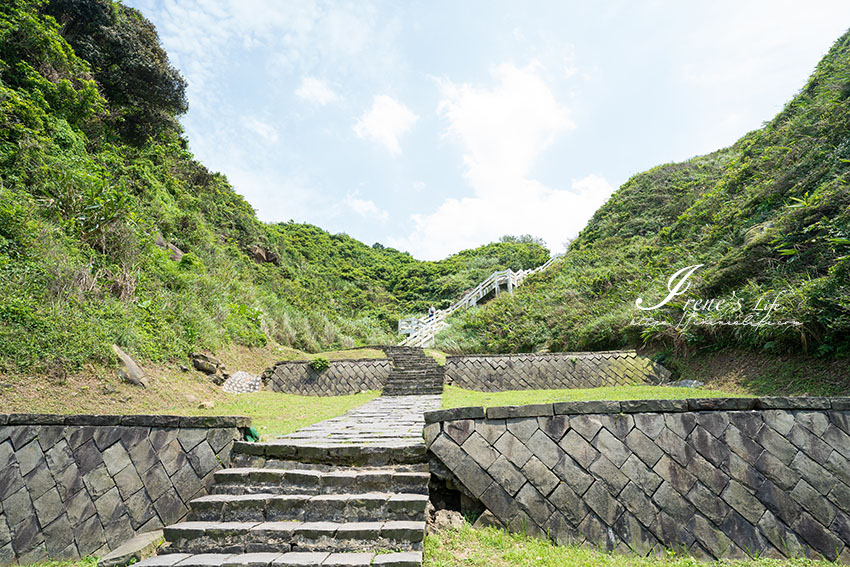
x,y
276,414
458,397
491,547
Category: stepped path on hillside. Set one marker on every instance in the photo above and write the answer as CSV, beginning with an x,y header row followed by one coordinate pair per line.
x,y
345,492
422,330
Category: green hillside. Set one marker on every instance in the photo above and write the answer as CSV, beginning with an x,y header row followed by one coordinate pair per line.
x,y
768,215
110,231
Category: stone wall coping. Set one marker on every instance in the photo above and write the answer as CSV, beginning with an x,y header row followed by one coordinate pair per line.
x,y
203,421
333,361
640,406
585,354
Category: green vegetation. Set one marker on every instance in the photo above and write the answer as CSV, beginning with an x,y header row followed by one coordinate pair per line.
x,y
458,397
491,547
110,231
769,215
275,414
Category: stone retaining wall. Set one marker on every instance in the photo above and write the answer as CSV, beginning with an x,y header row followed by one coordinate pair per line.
x,y
341,378
719,478
493,373
79,485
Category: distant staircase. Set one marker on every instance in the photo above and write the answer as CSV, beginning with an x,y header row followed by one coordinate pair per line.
x,y
414,373
422,330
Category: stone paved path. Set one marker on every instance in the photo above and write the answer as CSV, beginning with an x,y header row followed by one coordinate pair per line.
x,y
388,420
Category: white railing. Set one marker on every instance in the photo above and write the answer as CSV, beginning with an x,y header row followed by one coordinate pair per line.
x,y
422,330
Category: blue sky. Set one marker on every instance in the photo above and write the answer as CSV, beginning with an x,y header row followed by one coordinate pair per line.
x,y
437,126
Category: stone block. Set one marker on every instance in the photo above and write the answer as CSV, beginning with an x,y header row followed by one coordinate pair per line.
x,y
651,424
27,536
110,507
743,501
30,457
643,447
578,448
534,504
59,457
79,507
544,448
203,459
499,502
39,481
677,476
156,481
115,458
672,504
69,482
58,535
817,476
776,444
128,482
512,448
713,540
606,471
636,501
570,472
813,502
568,503
190,437
644,406
742,443
530,410
18,507
459,430
675,446
490,430
539,475
481,451
708,446
817,536
775,470
523,427
603,503
554,426
586,425
611,447
48,507
636,471
98,481
140,509
597,406
712,477
779,502
508,476
453,414
680,423
708,504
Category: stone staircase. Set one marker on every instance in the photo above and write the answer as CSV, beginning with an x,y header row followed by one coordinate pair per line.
x,y
346,492
413,373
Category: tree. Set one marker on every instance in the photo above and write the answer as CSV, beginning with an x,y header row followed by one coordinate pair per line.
x,y
145,92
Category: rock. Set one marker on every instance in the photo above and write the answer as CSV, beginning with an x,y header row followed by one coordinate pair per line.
x,y
192,399
173,252
183,368
688,384
129,370
487,520
205,363
206,405
447,519
262,256
133,550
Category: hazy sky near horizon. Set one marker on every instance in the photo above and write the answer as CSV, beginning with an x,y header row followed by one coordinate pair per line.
x,y
437,126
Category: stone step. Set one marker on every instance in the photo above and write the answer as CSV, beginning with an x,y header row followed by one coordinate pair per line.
x,y
289,559
280,537
310,481
356,454
369,507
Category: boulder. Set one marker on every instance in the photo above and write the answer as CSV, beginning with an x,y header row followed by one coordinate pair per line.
x,y
205,363
487,520
446,519
129,370
173,252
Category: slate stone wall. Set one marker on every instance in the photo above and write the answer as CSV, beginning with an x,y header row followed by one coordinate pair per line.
x,y
79,485
719,478
494,373
341,378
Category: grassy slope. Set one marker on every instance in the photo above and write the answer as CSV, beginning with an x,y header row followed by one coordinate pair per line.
x,y
770,213
458,397
490,547
81,208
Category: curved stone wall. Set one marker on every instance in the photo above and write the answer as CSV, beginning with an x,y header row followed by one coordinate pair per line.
x,y
341,378
494,373
78,485
718,478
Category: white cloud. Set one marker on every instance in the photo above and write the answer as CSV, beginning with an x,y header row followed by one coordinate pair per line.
x,y
316,91
385,122
365,207
502,130
260,128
